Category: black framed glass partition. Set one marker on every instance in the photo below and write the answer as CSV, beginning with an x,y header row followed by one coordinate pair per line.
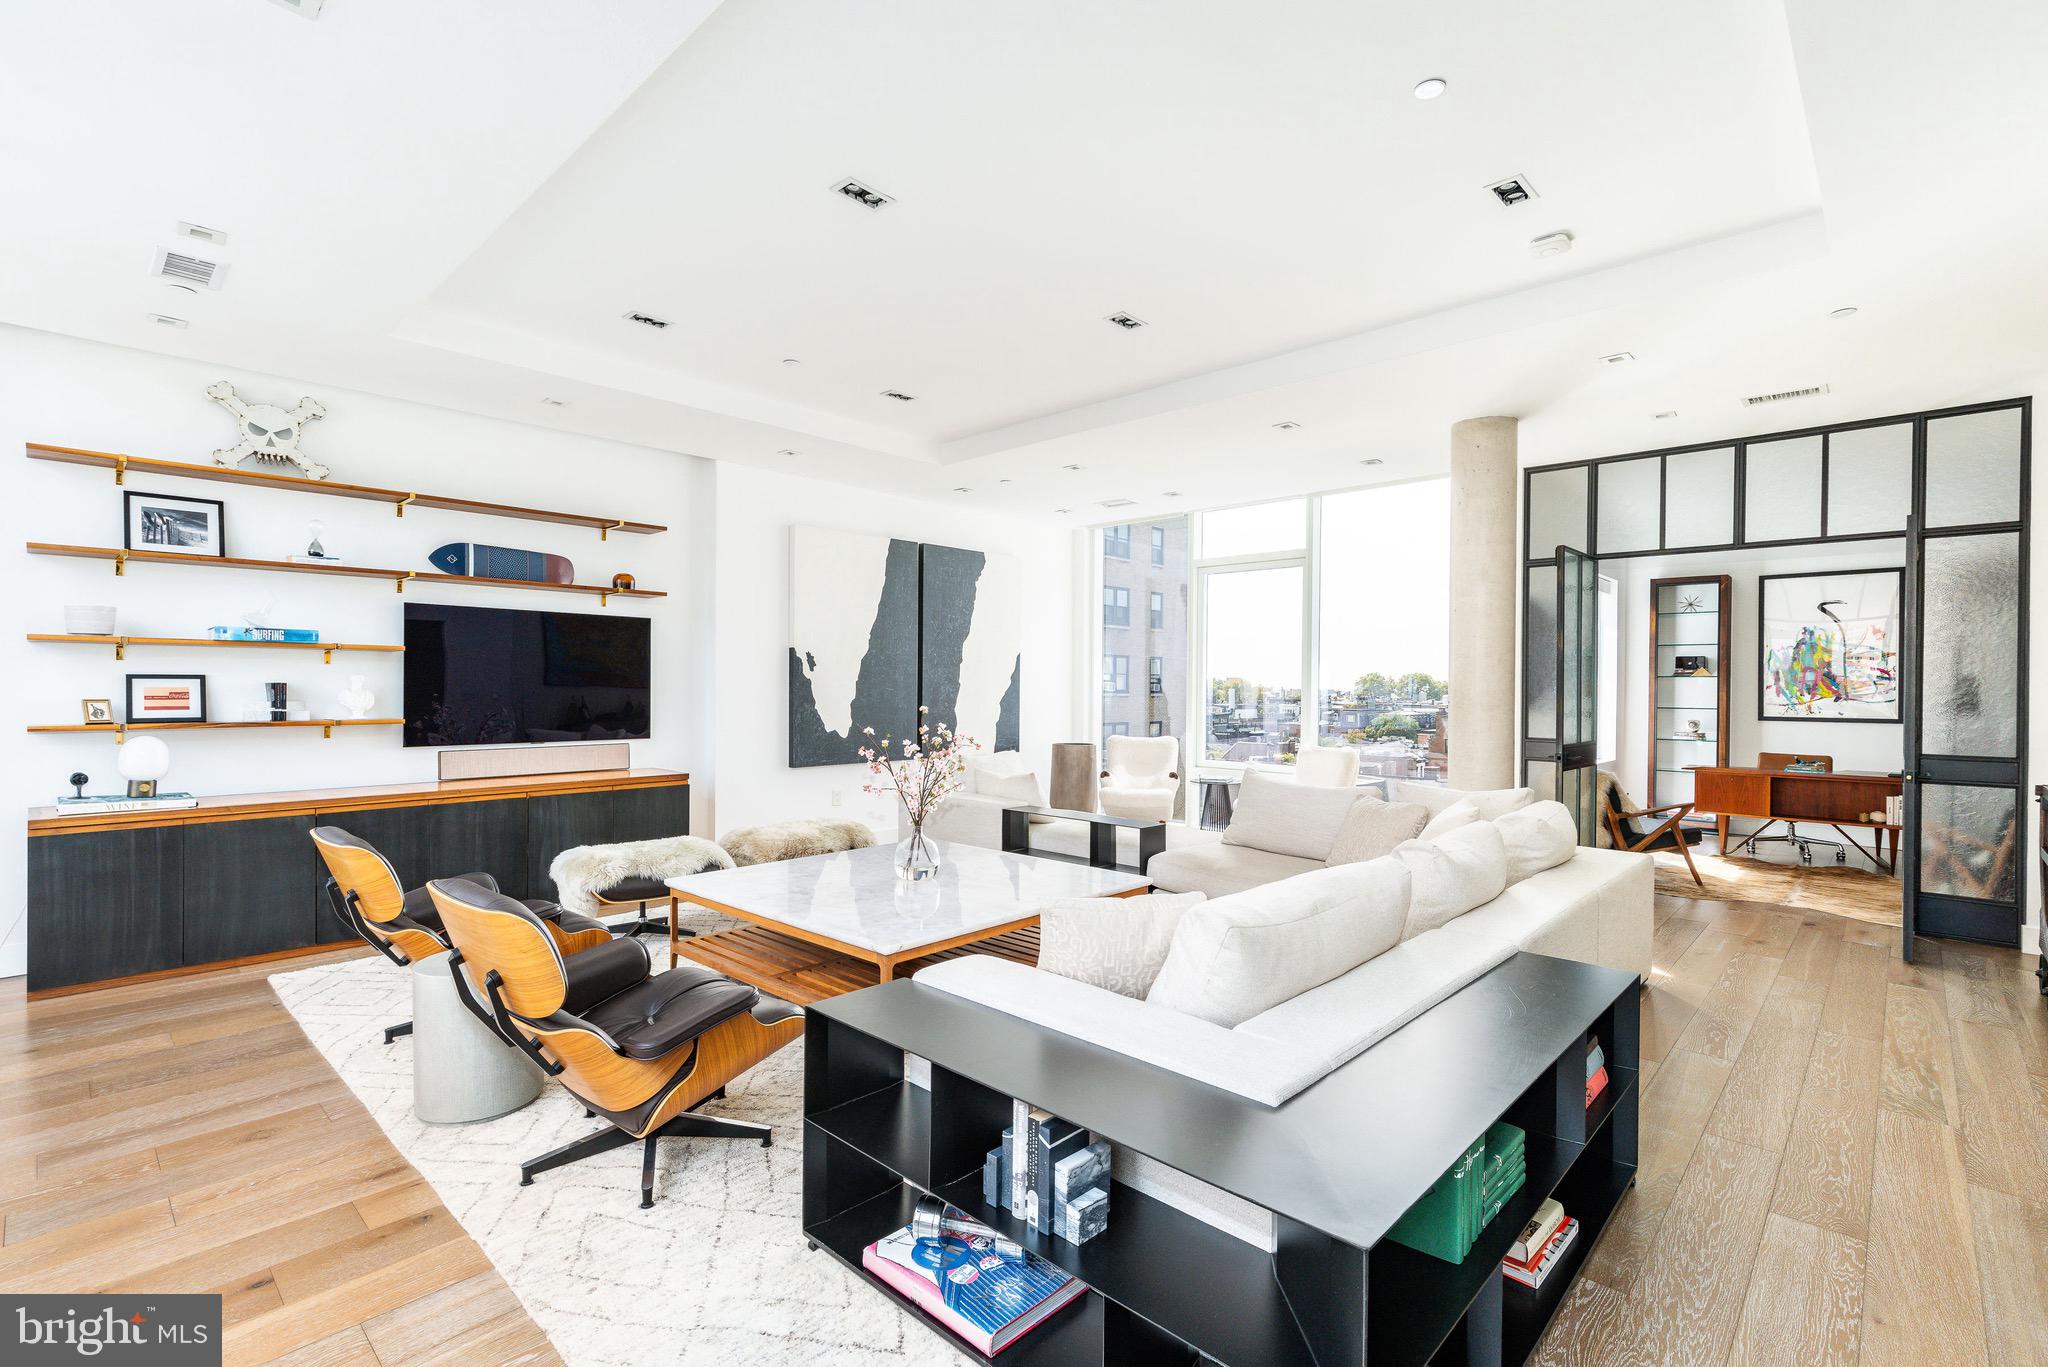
x,y
1952,485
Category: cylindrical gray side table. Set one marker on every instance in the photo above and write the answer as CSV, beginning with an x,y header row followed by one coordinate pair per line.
x,y
461,1070
1073,776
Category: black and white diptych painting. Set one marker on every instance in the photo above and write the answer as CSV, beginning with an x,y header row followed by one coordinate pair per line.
x,y
879,625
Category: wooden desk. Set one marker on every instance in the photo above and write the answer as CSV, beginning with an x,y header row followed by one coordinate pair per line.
x,y
1838,799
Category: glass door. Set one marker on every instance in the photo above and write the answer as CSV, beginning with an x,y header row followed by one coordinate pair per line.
x,y
1561,690
1965,706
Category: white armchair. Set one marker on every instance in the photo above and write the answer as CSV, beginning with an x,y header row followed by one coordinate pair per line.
x,y
1140,776
1326,766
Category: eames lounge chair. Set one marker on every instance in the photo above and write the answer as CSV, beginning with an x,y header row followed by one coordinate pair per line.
x,y
403,926
638,1048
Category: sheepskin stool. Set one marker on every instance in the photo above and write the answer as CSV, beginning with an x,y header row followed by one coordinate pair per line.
x,y
600,880
796,839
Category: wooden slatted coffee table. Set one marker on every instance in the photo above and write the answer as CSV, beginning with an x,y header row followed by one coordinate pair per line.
x,y
834,923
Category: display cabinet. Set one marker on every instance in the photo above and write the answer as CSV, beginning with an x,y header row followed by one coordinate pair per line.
x,y
1689,666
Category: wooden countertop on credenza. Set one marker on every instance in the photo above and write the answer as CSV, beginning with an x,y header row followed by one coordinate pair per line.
x,y
246,806
1857,775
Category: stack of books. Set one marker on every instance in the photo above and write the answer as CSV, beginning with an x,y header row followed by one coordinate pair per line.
x,y
1542,1243
1447,1220
987,1295
118,802
1048,1174
1596,1069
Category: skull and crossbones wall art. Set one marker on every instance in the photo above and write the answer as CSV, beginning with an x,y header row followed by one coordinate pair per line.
x,y
269,433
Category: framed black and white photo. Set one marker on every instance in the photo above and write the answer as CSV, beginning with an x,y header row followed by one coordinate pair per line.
x,y
174,525
98,711
166,697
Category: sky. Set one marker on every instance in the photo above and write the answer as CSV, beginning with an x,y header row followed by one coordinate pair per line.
x,y
1385,593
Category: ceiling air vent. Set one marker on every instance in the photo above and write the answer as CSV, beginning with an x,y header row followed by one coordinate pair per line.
x,y
647,320
1754,399
865,196
182,268
1512,191
1126,321
899,396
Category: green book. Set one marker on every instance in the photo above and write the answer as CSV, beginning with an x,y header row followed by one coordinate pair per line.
x,y
1445,1221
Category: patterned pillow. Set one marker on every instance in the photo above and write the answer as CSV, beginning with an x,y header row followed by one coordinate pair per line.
x,y
1116,943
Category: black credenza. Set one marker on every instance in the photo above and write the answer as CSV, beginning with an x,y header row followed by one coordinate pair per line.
x,y
115,896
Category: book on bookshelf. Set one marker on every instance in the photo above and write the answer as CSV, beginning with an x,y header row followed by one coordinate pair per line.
x,y
1595,1085
985,1297
86,806
1542,1225
1534,1274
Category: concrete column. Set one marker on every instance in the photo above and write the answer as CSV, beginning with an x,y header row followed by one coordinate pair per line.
x,y
1484,657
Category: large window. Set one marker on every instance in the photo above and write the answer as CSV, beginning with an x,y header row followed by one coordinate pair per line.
x,y
1158,636
1320,620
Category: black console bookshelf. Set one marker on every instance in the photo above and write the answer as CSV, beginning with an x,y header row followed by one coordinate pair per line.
x,y
1337,1164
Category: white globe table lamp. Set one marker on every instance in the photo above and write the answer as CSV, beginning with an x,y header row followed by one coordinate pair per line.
x,y
143,761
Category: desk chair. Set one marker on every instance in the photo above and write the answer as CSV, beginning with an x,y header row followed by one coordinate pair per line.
x,y
1629,831
1771,759
403,926
640,1049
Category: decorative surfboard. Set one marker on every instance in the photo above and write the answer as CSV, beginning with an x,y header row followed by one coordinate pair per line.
x,y
502,562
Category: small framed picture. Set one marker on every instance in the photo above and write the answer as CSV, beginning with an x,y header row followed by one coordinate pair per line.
x,y
1691,667
172,524
97,710
166,697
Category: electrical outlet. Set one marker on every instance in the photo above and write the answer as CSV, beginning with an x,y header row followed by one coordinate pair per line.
x,y
839,797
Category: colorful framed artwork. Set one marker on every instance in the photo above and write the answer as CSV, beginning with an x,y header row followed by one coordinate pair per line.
x,y
166,698
1828,645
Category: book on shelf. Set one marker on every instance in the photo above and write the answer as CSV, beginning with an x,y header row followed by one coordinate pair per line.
x,y
1595,1085
986,1297
1542,1225
1534,1274
1596,1058
116,802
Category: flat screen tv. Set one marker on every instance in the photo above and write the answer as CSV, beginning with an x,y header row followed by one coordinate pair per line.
x,y
499,676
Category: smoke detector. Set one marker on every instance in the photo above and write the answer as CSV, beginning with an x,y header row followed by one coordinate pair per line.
x,y
187,270
1551,244
305,9
1809,392
866,196
1117,503
1126,321
646,320
1512,191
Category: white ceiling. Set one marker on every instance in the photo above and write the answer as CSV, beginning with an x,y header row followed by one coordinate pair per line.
x,y
457,202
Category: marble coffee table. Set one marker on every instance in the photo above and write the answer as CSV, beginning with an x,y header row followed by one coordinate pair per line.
x,y
834,923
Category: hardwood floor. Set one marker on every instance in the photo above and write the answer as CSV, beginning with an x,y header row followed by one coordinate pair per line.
x,y
185,1136
1844,1159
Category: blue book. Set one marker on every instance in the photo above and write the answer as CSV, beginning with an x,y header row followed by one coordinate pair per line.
x,y
296,635
986,1296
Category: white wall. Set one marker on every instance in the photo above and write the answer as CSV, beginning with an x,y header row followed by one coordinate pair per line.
x,y
1875,746
74,393
755,510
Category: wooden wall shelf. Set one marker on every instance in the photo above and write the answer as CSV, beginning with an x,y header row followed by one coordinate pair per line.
x,y
121,644
397,578
399,499
121,729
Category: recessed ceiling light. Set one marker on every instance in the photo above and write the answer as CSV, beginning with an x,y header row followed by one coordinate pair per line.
x,y
1070,467
786,451
962,489
556,403
1128,322
1550,244
1002,481
1063,510
167,320
646,320
791,360
899,396
1286,426
1372,460
1431,88
1667,413
1171,493
1116,502
1616,358
1512,191
865,196
1843,313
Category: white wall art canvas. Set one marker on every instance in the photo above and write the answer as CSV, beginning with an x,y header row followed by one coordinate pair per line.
x,y
1829,646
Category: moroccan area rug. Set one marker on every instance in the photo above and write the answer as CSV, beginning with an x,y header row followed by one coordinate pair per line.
x,y
717,1273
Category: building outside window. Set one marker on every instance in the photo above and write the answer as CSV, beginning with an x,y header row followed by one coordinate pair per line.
x,y
1159,546
1158,728
1158,611
1116,674
1116,607
1161,707
1116,542
1156,668
1116,728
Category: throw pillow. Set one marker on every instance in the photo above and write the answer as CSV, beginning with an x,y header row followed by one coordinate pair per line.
x,y
1538,837
1236,956
1460,813
1281,816
1116,943
1447,878
1373,828
1491,802
1019,790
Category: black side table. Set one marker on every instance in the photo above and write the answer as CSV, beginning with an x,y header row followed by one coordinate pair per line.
x,y
1101,837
